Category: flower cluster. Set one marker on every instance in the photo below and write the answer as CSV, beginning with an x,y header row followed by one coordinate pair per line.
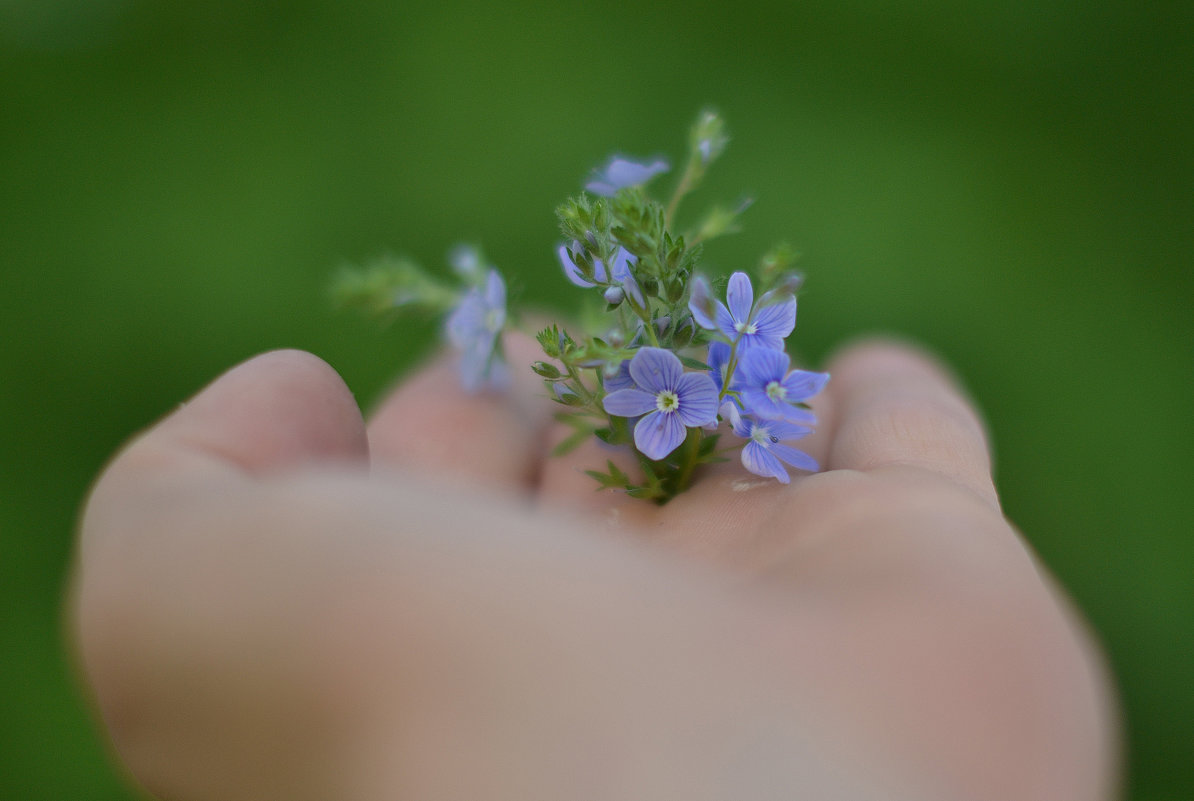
x,y
672,367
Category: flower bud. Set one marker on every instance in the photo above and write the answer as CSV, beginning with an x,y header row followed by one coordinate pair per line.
x,y
614,295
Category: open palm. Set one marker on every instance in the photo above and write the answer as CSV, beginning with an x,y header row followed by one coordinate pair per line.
x,y
275,600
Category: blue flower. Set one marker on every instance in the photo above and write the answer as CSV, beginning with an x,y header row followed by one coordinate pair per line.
x,y
617,376
768,391
748,324
671,399
719,363
620,173
473,328
619,278
765,454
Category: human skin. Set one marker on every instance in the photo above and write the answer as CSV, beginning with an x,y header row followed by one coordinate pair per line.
x,y
274,599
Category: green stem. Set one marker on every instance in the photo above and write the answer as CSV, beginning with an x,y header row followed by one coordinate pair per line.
x,y
681,190
731,366
692,448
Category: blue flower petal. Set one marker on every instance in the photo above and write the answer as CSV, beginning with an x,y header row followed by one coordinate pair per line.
x,y
730,412
776,320
785,430
803,384
620,379
628,402
719,360
757,460
656,369
620,267
740,296
466,320
760,404
495,292
794,457
761,366
658,434
620,173
570,268
632,289
701,303
725,322
762,341
698,399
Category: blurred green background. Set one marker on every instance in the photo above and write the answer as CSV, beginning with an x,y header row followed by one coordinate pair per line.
x,y
1011,183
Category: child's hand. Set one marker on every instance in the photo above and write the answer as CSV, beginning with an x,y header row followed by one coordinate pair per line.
x,y
275,601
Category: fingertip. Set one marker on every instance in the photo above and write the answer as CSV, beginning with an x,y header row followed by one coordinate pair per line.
x,y
430,423
896,404
278,409
884,355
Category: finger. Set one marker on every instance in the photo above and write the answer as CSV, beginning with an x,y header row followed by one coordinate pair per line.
x,y
160,536
895,406
430,424
277,411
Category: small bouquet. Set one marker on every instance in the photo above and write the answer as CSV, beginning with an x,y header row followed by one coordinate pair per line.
x,y
668,367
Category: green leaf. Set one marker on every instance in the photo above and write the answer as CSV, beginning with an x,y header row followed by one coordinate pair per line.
x,y
571,442
708,444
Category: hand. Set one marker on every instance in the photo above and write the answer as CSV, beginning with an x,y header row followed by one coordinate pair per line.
x,y
273,600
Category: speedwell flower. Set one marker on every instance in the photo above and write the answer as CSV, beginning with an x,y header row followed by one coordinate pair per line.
x,y
620,173
619,276
769,391
765,453
473,328
719,363
743,322
671,399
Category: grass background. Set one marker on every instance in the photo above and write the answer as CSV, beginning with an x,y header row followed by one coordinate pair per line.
x,y
1011,183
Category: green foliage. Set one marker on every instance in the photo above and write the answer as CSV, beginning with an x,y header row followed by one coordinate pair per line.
x,y
388,283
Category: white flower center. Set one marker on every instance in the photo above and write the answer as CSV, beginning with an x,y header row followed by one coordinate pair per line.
x,y
776,391
667,401
762,435
746,328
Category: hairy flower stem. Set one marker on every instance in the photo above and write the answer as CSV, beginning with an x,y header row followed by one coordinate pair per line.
x,y
682,189
731,366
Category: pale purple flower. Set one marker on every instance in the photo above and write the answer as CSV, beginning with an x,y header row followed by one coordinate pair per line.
x,y
769,391
740,319
765,454
670,399
473,328
619,276
620,173
617,376
719,363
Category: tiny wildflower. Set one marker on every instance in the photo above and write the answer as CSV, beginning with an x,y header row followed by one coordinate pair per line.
x,y
638,375
719,364
620,173
765,454
671,399
766,324
769,391
616,377
473,328
619,279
